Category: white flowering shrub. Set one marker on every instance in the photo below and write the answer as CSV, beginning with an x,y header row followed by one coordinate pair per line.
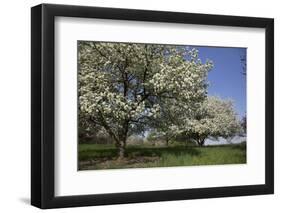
x,y
124,88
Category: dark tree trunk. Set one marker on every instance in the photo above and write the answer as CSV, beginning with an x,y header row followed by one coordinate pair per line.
x,y
201,142
167,142
123,134
121,147
121,152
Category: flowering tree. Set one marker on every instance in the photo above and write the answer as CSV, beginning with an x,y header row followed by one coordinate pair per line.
x,y
168,123
214,118
122,87
243,123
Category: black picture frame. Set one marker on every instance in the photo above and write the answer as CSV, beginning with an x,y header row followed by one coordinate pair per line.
x,y
43,102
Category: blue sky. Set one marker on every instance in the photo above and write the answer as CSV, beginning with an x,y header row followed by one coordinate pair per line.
x,y
226,79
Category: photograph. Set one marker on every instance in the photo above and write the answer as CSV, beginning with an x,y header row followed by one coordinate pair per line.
x,y
160,105
132,105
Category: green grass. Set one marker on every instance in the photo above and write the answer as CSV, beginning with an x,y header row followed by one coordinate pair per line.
x,y
96,156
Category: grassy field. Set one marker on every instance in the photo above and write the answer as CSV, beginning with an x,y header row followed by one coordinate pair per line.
x,y
96,156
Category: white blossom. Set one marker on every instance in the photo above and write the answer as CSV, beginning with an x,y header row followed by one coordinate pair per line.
x,y
124,87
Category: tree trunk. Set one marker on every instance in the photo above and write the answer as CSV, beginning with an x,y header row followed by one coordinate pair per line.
x,y
201,142
123,134
167,142
122,150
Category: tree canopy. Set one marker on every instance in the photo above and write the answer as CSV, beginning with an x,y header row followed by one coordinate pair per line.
x,y
127,89
214,118
122,86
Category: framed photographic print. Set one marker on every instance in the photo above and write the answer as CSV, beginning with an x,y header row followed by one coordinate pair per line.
x,y
139,106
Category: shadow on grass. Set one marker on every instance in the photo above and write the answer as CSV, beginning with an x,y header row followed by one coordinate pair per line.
x,y
132,152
